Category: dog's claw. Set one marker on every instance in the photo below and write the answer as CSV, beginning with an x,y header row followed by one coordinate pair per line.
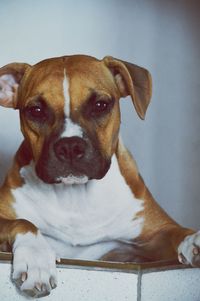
x,y
23,276
38,287
44,288
53,283
182,259
195,251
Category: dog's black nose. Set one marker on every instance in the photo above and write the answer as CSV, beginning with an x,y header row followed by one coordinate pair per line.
x,y
70,149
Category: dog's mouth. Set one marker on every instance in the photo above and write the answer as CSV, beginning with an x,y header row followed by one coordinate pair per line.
x,y
71,176
73,180
64,161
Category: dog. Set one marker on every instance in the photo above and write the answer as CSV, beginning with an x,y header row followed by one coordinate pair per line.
x,y
74,190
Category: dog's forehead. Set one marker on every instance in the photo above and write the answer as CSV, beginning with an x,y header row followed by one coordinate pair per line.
x,y
77,75
87,75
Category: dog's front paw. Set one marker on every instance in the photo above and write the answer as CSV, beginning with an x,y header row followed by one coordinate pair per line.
x,y
189,250
34,265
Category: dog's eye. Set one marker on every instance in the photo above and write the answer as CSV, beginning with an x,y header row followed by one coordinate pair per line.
x,y
98,106
101,107
36,112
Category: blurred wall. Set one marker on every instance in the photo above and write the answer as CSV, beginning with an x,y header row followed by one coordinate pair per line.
x,y
162,36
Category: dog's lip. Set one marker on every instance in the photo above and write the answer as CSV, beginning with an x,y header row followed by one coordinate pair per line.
x,y
72,179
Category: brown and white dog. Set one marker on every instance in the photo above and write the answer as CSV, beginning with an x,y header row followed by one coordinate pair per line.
x,y
74,190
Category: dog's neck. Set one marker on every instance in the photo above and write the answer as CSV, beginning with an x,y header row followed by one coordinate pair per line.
x,y
24,163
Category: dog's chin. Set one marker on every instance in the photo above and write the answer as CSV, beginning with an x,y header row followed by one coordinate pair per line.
x,y
72,177
73,180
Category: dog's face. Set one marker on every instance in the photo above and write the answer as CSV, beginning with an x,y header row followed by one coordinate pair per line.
x,y
70,117
69,110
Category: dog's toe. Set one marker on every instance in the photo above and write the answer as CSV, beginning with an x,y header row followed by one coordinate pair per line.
x,y
36,282
189,250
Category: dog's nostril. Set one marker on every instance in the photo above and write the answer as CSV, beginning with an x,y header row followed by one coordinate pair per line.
x,y
78,151
70,148
62,152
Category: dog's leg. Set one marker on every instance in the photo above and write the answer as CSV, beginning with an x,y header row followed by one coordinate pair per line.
x,y
161,237
167,242
164,238
34,268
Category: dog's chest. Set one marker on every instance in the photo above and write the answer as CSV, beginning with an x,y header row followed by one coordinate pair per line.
x,y
80,215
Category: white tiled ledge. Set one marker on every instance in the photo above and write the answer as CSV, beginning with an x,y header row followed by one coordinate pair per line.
x,y
99,281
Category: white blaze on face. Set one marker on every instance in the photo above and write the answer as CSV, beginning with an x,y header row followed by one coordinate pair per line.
x,y
66,95
71,129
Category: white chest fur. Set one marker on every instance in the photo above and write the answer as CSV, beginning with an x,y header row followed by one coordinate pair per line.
x,y
80,220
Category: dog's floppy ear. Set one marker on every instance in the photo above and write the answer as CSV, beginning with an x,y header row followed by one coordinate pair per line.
x,y
132,80
10,77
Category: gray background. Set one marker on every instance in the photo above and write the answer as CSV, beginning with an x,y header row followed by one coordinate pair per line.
x,y
162,36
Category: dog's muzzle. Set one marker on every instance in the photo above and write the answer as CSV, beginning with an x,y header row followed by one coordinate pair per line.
x,y
71,150
71,160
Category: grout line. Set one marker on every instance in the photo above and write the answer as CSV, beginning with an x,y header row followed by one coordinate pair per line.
x,y
139,285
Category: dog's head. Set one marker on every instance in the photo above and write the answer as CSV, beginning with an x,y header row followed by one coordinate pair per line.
x,y
69,111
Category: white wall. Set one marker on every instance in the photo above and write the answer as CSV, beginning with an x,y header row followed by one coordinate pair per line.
x,y
161,35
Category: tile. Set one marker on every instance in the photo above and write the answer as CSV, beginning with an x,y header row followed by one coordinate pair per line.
x,y
98,285
79,284
171,285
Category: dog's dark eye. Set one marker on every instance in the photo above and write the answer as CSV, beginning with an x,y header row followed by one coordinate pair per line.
x,y
36,113
101,106
98,106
